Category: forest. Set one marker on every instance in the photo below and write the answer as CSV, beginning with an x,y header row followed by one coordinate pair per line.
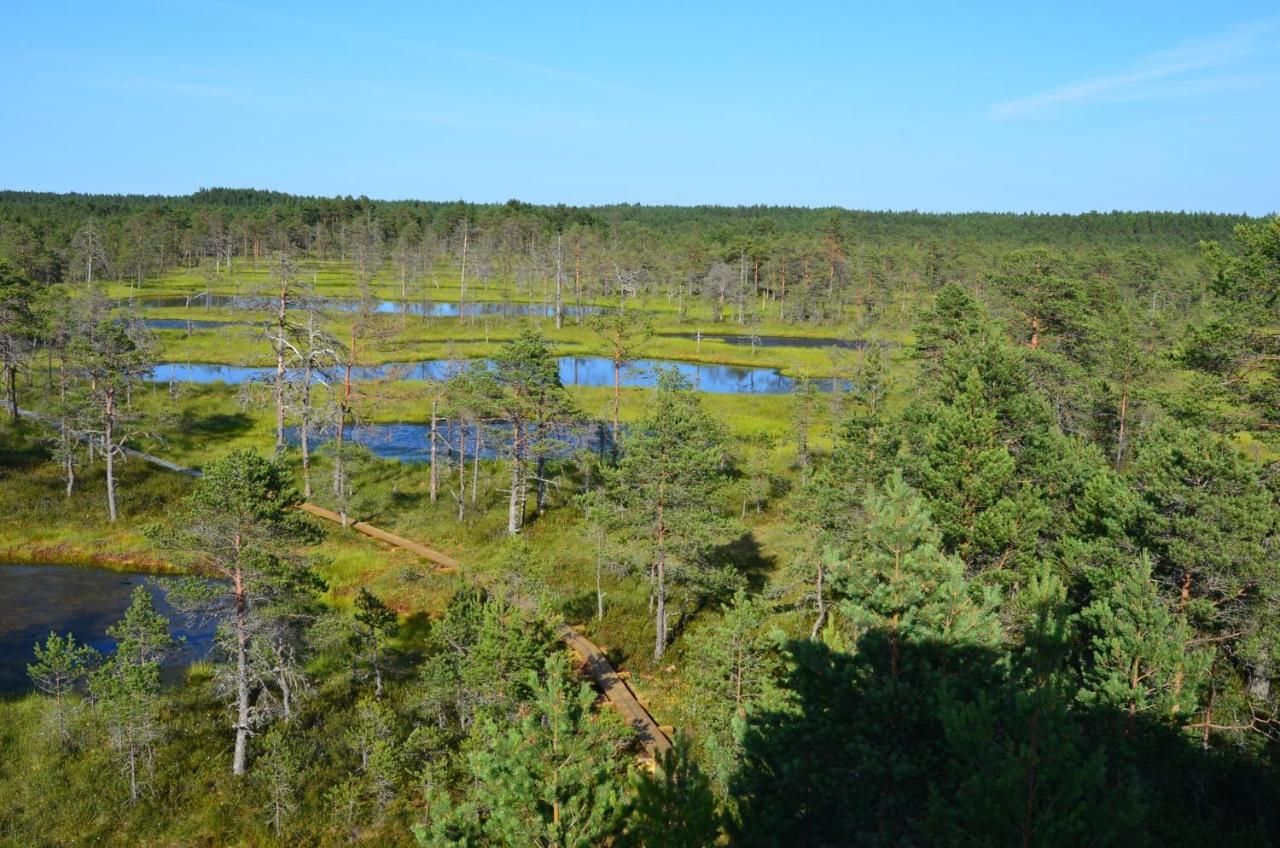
x,y
903,528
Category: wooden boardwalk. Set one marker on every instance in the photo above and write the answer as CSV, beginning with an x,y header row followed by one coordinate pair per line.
x,y
444,562
624,700
596,664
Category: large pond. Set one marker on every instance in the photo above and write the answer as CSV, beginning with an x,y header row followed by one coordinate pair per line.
x,y
574,371
429,308
37,599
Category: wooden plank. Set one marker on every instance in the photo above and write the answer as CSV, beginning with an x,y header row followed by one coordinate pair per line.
x,y
445,561
617,691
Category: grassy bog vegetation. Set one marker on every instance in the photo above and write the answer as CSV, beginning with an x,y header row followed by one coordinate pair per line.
x,y
995,564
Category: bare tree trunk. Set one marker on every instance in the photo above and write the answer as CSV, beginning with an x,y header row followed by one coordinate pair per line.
x,y
109,450
1120,436
462,469
599,586
660,588
514,506
10,378
559,284
305,434
477,443
242,673
541,473
435,475
462,291
279,387
617,397
822,602
282,679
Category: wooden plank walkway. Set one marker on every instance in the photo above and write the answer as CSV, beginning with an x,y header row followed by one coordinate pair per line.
x,y
444,562
597,665
624,700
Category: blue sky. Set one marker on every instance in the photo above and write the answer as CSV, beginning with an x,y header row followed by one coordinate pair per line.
x,y
934,106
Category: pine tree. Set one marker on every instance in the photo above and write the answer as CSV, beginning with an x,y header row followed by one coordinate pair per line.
x,y
1021,768
110,356
555,775
1140,656
239,526
899,584
60,665
277,772
988,517
665,489
674,807
17,329
532,402
738,659
374,624
126,688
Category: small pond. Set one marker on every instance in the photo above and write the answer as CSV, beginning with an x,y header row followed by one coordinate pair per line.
x,y
410,442
187,324
37,599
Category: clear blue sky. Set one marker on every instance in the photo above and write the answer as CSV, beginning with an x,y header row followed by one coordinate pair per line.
x,y
927,105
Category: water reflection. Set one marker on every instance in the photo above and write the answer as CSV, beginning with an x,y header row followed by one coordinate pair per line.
x,y
37,599
590,371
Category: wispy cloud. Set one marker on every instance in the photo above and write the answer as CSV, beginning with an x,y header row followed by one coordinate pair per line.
x,y
1190,68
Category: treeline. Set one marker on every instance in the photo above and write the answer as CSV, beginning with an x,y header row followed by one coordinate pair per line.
x,y
812,264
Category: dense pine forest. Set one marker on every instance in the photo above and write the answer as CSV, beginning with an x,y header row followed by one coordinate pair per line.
x,y
905,528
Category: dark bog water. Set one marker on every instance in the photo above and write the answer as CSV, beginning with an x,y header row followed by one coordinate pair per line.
x,y
37,599
430,309
574,371
406,442
186,324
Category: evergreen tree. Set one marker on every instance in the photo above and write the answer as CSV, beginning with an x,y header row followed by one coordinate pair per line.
x,y
238,526
17,328
665,489
277,772
1140,654
738,659
110,356
623,335
126,688
1020,768
532,402
60,665
555,775
674,807
374,624
987,516
1210,524
900,584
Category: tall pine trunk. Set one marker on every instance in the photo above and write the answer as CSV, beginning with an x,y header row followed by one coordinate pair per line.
x,y
109,449
515,504
242,671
